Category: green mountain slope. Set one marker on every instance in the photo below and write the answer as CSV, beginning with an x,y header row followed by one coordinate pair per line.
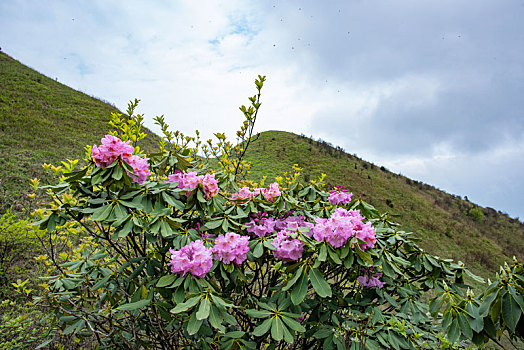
x,y
42,120
447,225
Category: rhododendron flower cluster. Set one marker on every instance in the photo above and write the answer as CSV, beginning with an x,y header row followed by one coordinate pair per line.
x,y
292,223
190,181
339,196
140,168
262,226
210,185
243,194
193,258
231,247
287,248
110,150
269,193
341,226
113,148
370,280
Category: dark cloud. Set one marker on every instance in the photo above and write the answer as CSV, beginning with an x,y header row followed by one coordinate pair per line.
x,y
473,52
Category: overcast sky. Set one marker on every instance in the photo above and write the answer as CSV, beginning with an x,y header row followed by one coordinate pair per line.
x,y
430,89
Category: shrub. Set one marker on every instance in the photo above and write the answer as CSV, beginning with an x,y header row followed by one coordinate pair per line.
x,y
476,214
195,258
17,239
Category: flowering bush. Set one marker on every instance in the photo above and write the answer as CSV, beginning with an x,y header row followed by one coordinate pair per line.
x,y
191,258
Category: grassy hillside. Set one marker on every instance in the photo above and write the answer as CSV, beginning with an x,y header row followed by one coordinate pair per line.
x,y
42,120
448,225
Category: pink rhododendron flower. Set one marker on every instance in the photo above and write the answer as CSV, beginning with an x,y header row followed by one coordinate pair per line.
x,y
342,225
339,196
193,258
190,181
210,185
113,148
366,233
293,223
269,193
231,247
370,280
272,192
140,168
261,227
244,193
176,177
287,248
110,150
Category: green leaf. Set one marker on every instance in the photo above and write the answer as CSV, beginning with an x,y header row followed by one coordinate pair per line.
x,y
453,332
484,307
262,328
334,256
75,327
390,299
319,283
165,229
203,310
322,254
173,201
258,313
166,280
235,334
185,306
365,256
134,306
293,324
210,225
465,327
117,173
124,231
193,325
300,290
510,312
200,197
259,250
215,318
292,281
323,332
102,213
277,328
101,283
288,337
474,277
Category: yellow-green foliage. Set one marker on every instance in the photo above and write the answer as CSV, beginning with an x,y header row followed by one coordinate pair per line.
x,y
17,238
476,214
